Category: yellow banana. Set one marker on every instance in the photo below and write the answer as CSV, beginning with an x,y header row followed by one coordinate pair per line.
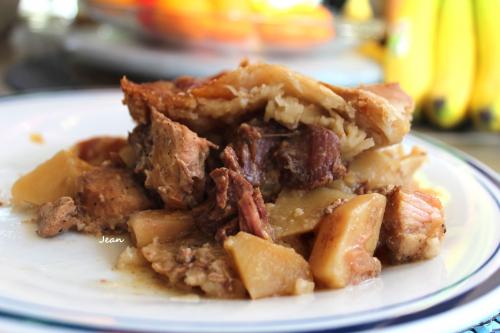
x,y
409,56
485,100
454,64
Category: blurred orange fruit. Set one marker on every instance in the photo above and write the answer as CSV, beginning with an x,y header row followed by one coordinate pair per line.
x,y
185,18
231,20
296,28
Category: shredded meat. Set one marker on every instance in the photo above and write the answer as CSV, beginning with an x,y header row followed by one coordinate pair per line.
x,y
59,216
233,190
310,159
234,195
108,196
413,226
192,265
172,158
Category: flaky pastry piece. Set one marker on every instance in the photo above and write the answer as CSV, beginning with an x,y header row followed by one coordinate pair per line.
x,y
363,117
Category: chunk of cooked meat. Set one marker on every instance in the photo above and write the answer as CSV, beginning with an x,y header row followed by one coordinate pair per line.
x,y
193,265
310,159
108,196
234,196
413,226
56,217
172,158
100,149
253,143
272,156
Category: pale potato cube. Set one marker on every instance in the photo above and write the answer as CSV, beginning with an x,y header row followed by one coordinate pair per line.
x,y
54,178
167,226
384,167
268,269
343,250
297,212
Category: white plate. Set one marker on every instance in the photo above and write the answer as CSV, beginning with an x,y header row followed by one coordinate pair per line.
x,y
59,281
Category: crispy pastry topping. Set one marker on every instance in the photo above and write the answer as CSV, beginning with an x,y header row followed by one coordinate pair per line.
x,y
382,112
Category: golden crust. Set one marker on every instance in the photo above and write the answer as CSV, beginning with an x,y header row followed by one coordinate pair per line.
x,y
376,115
383,110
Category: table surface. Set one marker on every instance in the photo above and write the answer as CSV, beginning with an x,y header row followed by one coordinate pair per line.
x,y
22,68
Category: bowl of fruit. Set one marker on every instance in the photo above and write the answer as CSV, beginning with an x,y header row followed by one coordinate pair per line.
x,y
251,25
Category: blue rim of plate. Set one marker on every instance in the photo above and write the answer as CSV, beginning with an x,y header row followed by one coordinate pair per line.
x,y
474,293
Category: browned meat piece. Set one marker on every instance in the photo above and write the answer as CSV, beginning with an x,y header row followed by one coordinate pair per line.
x,y
59,216
252,147
192,265
272,156
172,158
234,191
234,195
100,149
311,159
253,142
108,196
413,226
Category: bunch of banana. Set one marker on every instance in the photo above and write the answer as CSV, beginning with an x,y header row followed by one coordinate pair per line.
x,y
446,54
454,71
409,56
485,99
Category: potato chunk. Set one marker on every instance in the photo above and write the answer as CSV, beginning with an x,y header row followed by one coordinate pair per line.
x,y
166,226
131,257
343,250
268,269
297,212
386,167
54,178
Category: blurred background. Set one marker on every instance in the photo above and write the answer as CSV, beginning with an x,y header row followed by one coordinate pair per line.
x,y
445,53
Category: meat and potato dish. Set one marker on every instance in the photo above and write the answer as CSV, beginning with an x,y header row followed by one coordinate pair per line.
x,y
256,182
